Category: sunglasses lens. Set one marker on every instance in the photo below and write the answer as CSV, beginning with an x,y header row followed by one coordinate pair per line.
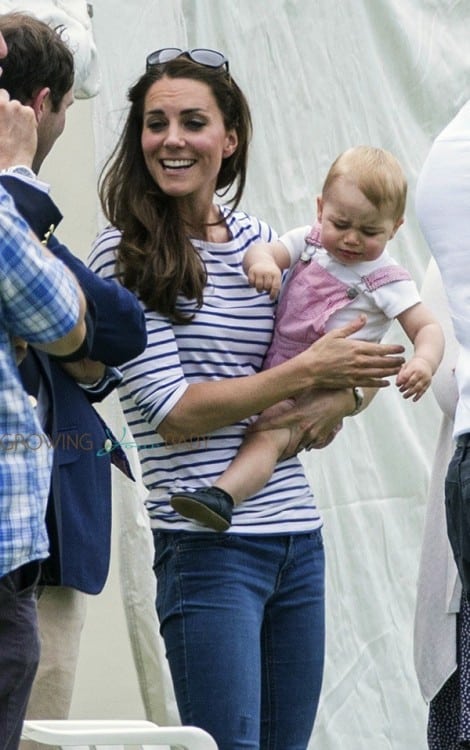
x,y
208,57
162,56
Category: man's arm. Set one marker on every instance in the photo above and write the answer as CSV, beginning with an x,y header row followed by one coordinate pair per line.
x,y
120,328
18,143
42,302
73,345
120,331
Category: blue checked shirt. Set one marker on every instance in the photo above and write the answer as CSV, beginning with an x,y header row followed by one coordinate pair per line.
x,y
39,303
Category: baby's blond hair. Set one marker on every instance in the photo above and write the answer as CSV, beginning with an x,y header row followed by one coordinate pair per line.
x,y
376,172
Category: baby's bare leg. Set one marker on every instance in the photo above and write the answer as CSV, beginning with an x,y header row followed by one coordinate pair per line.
x,y
247,473
254,463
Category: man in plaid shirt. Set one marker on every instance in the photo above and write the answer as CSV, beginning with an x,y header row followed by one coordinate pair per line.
x,y
40,302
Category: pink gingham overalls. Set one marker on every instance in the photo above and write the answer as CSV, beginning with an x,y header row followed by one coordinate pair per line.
x,y
311,296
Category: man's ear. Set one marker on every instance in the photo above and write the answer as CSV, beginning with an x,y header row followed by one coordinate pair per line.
x,y
41,103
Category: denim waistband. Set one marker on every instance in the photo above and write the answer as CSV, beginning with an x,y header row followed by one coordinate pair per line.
x,y
463,440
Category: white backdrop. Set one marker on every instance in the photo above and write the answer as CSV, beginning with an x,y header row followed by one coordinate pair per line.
x,y
320,77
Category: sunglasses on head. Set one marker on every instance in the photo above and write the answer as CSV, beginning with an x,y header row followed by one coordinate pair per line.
x,y
210,58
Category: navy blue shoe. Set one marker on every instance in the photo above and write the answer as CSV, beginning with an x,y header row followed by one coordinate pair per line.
x,y
210,506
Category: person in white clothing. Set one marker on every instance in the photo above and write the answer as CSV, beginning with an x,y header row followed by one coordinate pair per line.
x,y
442,206
340,268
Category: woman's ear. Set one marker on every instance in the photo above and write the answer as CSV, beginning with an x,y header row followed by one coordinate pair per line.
x,y
41,102
231,143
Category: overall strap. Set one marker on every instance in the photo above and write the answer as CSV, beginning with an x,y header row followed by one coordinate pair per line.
x,y
383,276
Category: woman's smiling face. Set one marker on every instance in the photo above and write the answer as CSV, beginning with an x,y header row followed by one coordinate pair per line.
x,y
184,138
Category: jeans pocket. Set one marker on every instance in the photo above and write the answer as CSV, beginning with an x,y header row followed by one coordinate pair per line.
x,y
163,548
317,538
24,579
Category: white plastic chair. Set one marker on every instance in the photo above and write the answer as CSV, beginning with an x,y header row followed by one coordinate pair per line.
x,y
93,733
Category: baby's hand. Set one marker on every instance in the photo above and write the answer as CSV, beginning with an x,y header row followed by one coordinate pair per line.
x,y
265,276
414,378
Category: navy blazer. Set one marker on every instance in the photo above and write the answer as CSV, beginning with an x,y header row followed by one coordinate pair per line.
x,y
79,508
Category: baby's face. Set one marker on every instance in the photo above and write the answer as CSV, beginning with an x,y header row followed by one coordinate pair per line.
x,y
352,228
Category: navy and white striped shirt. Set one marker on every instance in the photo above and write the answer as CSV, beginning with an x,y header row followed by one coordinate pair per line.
x,y
39,303
228,337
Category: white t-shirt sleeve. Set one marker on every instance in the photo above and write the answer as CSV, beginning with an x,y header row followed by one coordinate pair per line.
x,y
294,242
397,297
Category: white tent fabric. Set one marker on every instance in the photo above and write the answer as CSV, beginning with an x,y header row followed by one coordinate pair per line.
x,y
321,77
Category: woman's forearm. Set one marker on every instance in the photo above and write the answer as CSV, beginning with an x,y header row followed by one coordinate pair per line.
x,y
333,362
212,404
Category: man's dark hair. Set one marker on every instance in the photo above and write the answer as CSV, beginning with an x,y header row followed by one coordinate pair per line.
x,y
37,57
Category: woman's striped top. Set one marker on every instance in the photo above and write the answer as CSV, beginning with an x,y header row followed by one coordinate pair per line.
x,y
228,337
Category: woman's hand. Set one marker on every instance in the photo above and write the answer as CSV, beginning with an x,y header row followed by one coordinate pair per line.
x,y
333,362
314,418
341,362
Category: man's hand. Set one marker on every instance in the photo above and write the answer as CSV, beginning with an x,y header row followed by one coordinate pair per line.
x,y
18,132
85,371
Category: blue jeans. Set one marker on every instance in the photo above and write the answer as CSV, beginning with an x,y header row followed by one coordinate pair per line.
x,y
19,649
243,620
